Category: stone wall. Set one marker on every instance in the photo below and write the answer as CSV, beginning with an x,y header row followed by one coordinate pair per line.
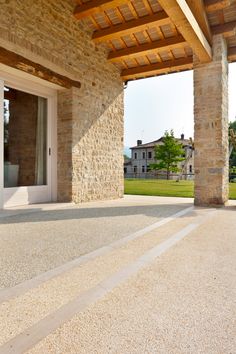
x,y
90,119
211,127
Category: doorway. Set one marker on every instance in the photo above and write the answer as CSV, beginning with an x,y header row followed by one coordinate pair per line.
x,y
28,116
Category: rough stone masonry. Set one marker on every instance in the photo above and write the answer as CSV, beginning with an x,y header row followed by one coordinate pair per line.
x,y
90,118
211,127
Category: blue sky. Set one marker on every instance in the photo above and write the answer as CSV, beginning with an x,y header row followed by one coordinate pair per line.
x,y
163,103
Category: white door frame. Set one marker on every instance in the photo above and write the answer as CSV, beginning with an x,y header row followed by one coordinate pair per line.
x,y
32,194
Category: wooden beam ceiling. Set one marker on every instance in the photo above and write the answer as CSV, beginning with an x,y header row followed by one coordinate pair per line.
x,y
227,29
181,15
147,48
186,27
95,6
157,69
123,29
216,5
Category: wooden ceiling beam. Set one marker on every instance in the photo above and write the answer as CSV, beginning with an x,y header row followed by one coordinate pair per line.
x,y
227,29
157,69
19,62
216,5
147,48
232,54
199,12
183,18
95,6
132,26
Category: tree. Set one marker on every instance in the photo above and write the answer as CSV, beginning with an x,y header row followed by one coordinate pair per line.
x,y
232,157
126,157
232,125
168,155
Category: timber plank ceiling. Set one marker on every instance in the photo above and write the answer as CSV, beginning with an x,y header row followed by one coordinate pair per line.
x,y
155,37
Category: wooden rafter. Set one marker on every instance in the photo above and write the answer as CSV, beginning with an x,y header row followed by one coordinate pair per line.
x,y
216,5
94,6
157,69
227,29
183,18
199,12
140,24
147,48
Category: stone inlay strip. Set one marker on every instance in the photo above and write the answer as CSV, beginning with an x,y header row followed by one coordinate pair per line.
x,y
21,288
43,328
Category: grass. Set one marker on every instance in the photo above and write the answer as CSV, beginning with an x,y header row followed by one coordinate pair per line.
x,y
166,188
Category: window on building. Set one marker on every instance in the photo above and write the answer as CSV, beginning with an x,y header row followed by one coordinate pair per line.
x,y
135,169
143,155
143,169
125,170
190,169
135,155
149,154
148,168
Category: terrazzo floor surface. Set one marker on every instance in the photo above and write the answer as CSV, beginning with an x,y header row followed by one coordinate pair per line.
x,y
137,275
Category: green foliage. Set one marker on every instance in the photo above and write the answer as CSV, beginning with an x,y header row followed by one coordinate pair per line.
x,y
232,158
232,174
232,125
166,188
126,157
233,170
168,155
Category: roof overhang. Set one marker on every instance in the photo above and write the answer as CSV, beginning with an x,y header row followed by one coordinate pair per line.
x,y
155,37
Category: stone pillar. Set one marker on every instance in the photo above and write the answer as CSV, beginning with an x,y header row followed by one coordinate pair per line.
x,y
211,127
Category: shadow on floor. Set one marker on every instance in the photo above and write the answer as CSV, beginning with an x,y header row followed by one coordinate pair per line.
x,y
39,215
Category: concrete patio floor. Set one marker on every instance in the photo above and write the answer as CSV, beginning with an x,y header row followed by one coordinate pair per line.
x,y
136,275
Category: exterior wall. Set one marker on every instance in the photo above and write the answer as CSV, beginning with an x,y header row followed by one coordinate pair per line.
x,y
90,119
189,164
128,169
211,127
139,162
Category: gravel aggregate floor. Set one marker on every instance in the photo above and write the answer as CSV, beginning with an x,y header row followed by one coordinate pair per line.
x,y
35,239
184,302
170,287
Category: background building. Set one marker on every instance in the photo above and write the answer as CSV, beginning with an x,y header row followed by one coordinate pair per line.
x,y
142,157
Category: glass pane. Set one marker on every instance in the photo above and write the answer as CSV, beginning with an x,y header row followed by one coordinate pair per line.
x,y
25,139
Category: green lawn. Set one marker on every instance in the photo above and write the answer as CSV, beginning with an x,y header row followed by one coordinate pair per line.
x,y
165,188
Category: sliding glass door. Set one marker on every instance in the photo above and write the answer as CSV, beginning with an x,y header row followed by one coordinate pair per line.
x,y
26,143
25,139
